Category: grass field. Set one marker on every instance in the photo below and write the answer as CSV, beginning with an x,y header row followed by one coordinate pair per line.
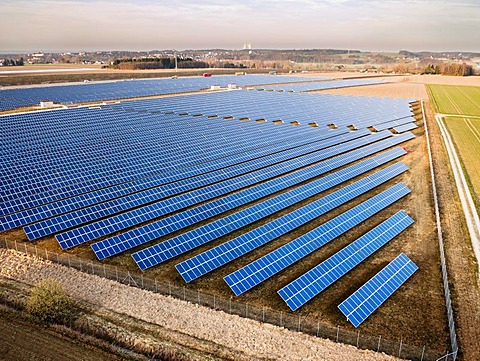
x,y
459,100
465,130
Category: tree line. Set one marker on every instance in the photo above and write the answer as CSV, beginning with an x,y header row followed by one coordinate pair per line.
x,y
158,63
458,69
12,62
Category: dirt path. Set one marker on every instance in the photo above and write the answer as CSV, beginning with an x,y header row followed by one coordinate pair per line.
x,y
252,339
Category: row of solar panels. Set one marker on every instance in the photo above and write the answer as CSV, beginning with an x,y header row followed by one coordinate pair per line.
x,y
87,151
264,173
322,109
334,84
14,98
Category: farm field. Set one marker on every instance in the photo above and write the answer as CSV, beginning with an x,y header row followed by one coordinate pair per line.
x,y
465,128
466,136
459,100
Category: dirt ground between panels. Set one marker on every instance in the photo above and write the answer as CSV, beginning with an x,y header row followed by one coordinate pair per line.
x,y
396,319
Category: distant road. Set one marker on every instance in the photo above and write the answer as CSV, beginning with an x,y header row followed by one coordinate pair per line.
x,y
56,70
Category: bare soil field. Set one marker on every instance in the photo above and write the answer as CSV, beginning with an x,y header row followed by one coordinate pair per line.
x,y
244,339
24,341
405,87
392,89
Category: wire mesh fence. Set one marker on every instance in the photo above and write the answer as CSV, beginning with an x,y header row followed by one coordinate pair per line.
x,y
274,317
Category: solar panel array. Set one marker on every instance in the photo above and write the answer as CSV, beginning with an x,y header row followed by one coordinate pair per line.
x,y
305,108
310,284
363,302
132,173
272,263
333,84
220,255
185,242
20,97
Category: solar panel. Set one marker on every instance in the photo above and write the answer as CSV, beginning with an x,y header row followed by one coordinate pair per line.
x,y
135,237
313,282
272,263
253,169
405,127
218,256
13,98
185,242
203,175
363,302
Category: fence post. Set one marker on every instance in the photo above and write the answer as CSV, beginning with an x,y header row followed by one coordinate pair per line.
x,y
358,337
26,251
184,295
338,330
263,313
400,348
230,305
36,251
281,314
16,248
423,353
93,270
379,339
298,323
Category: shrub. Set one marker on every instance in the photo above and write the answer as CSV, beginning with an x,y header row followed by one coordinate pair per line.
x,y
48,303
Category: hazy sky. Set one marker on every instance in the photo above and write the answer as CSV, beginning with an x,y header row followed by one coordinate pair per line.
x,y
60,25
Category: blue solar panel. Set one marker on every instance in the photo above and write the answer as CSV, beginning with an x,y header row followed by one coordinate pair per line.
x,y
152,231
185,242
254,169
228,251
332,84
310,284
363,302
205,173
265,267
405,127
13,98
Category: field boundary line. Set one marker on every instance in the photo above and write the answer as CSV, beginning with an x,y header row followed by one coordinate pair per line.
x,y
448,301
